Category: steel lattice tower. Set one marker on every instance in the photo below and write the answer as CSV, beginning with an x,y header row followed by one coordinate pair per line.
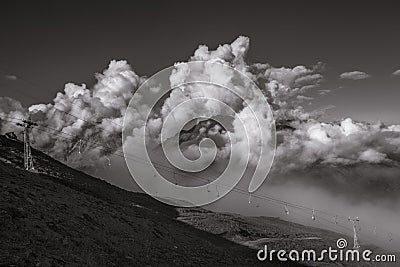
x,y
28,159
356,245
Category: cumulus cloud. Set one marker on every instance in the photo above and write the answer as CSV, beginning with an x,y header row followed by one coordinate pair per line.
x,y
303,141
372,156
93,115
303,98
10,77
324,91
354,75
344,142
9,109
396,73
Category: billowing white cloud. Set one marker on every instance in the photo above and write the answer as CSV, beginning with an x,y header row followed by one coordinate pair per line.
x,y
324,91
354,75
372,156
11,77
396,72
10,109
100,108
346,142
303,140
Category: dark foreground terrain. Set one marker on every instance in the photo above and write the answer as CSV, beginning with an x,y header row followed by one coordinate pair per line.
x,y
256,232
63,217
58,216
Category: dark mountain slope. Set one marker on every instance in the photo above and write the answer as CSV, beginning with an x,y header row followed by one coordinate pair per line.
x,y
62,217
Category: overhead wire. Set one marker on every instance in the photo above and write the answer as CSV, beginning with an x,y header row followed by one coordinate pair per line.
x,y
120,153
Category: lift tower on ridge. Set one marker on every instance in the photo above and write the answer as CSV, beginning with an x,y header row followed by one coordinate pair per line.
x,y
354,221
28,159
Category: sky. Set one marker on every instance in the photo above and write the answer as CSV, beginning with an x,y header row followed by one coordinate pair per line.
x,y
49,43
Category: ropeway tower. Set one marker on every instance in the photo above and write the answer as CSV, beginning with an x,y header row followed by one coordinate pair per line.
x,y
28,159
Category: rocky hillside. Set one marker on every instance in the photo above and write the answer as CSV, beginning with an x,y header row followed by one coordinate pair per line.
x,y
255,232
58,216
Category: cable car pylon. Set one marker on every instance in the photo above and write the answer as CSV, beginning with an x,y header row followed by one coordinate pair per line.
x,y
28,159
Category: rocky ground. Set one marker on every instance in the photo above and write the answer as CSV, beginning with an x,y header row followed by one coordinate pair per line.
x,y
63,217
255,232
58,216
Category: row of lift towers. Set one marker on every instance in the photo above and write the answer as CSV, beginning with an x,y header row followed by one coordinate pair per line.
x,y
28,164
